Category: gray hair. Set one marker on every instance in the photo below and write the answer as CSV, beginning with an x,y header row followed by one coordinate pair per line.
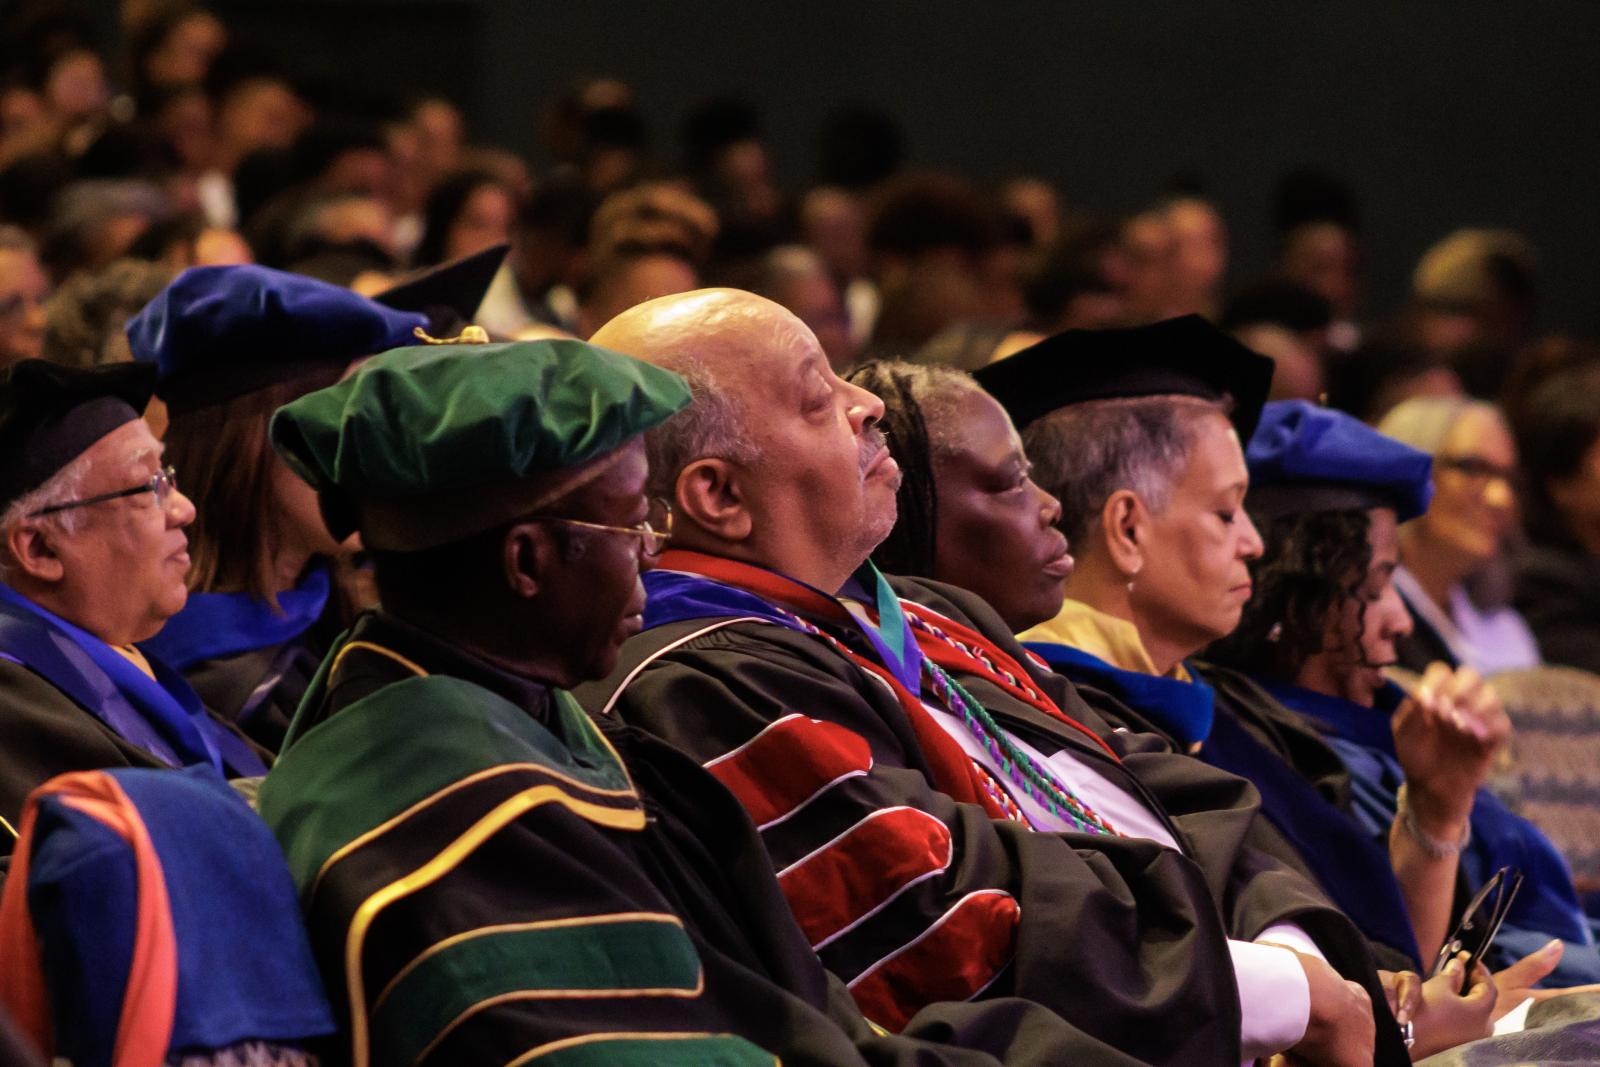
x,y
1084,453
1425,421
788,263
92,202
65,485
712,426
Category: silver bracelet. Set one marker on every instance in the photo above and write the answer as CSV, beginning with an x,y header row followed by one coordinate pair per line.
x,y
1436,849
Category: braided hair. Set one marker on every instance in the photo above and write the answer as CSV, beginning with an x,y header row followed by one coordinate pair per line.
x,y
918,403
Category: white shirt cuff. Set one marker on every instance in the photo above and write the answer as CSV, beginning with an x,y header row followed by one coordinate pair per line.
x,y
1290,936
1274,996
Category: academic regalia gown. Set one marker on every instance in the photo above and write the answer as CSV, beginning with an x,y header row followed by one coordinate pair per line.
x,y
1548,904
1558,593
894,882
252,664
485,874
1304,787
69,702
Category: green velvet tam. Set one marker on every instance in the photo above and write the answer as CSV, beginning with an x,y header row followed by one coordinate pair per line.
x,y
436,420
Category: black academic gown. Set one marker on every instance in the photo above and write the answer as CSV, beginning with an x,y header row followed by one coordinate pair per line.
x,y
59,710
693,858
1328,843
43,733
1558,593
1121,937
260,690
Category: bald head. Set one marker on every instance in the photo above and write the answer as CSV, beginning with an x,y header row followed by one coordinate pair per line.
x,y
763,390
714,329
710,337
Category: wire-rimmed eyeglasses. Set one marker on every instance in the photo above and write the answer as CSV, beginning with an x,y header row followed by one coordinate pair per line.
x,y
1480,922
163,483
653,533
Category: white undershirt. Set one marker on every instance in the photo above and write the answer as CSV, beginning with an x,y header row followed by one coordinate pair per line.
x,y
1274,995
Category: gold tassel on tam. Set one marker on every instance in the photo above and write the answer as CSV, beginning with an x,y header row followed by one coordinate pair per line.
x,y
471,335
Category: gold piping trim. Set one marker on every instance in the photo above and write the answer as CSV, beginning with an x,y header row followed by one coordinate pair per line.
x,y
562,994
446,860
489,772
584,1039
543,924
380,650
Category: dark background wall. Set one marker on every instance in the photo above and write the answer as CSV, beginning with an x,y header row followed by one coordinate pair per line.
x,y
1441,114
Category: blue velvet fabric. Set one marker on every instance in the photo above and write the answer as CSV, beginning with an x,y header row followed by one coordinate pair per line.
x,y
245,969
210,317
1298,443
1547,906
216,625
1185,710
161,715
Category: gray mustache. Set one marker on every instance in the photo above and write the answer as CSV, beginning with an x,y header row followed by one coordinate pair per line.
x,y
873,442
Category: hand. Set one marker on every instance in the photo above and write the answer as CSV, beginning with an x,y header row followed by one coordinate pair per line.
x,y
1516,982
1446,734
1403,991
1340,1030
1447,1018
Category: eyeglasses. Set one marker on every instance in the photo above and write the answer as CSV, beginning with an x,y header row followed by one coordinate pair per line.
x,y
1481,922
1476,469
653,533
163,483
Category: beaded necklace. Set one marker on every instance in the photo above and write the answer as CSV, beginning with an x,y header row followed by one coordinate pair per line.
x,y
975,652
1030,776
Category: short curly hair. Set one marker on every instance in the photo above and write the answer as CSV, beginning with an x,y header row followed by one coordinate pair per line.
x,y
85,318
1314,563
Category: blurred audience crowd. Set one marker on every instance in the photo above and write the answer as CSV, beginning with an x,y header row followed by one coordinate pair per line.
x,y
182,148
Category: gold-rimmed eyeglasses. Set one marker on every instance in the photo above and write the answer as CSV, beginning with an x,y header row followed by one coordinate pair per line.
x,y
163,483
653,533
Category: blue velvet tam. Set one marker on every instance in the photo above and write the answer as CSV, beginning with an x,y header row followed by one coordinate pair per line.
x,y
216,333
1307,458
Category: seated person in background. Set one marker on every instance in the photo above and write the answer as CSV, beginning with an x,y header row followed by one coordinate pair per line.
x,y
1459,544
1327,492
93,556
1558,577
230,346
87,314
625,278
488,876
926,793
971,515
24,295
1289,324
